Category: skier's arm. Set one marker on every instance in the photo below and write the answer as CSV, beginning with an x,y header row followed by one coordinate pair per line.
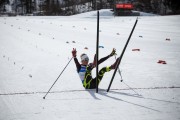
x,y
78,66
100,61
105,58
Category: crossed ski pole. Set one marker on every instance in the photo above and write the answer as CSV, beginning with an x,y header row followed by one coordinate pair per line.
x,y
119,61
57,78
124,82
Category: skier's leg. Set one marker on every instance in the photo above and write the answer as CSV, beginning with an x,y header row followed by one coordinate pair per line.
x,y
105,69
100,76
102,72
90,83
87,79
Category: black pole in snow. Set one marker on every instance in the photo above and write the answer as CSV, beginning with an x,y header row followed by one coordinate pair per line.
x,y
97,51
117,66
57,78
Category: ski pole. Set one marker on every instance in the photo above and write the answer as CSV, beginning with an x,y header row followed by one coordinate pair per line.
x,y
124,49
131,88
58,78
124,82
119,71
97,52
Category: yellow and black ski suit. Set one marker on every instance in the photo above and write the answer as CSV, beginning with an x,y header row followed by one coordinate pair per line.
x,y
85,73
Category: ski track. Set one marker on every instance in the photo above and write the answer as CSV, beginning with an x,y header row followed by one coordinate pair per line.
x,y
93,90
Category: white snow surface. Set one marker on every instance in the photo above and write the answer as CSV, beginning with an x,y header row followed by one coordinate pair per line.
x,y
34,51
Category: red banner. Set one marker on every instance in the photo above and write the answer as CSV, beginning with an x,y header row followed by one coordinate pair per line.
x,y
124,6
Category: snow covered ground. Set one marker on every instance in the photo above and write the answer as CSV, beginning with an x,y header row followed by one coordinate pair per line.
x,y
34,50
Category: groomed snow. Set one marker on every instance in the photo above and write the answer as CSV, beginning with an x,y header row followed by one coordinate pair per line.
x,y
34,51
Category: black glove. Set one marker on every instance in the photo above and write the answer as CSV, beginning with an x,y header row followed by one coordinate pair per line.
x,y
113,52
74,52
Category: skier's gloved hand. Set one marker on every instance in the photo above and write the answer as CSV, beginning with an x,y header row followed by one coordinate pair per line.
x,y
92,65
113,52
74,52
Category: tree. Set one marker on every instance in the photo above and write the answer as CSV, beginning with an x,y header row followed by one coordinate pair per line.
x,y
47,7
174,5
2,4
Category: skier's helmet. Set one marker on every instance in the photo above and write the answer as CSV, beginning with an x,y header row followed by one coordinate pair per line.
x,y
84,57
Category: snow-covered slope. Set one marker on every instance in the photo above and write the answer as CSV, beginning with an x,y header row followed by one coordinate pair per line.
x,y
34,50
108,13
